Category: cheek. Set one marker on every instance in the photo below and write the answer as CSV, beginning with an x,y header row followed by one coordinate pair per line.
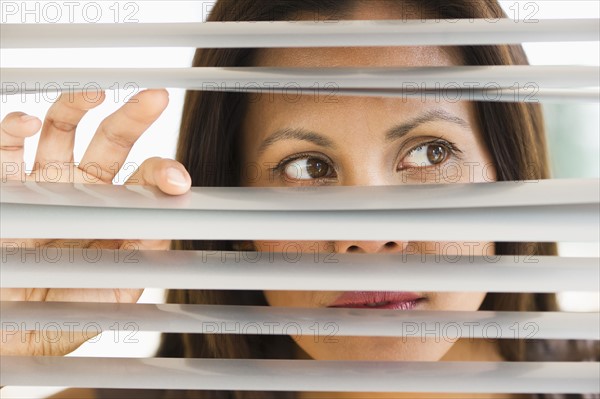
x,y
475,168
294,249
481,169
296,299
461,301
450,252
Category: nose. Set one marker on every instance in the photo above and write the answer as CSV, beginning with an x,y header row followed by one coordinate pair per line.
x,y
369,247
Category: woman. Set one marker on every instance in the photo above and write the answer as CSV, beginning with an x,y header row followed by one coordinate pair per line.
x,y
323,140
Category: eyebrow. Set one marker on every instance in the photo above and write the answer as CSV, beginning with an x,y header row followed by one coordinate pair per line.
x,y
296,134
394,133
437,114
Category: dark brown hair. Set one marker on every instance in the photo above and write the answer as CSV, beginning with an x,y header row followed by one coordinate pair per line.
x,y
513,133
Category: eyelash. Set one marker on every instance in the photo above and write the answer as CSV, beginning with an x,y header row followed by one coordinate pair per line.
x,y
453,150
280,167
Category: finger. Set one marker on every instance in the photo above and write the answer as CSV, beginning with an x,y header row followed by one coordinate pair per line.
x,y
118,133
14,128
168,175
58,132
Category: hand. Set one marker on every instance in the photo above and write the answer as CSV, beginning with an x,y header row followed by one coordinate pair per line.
x,y
110,146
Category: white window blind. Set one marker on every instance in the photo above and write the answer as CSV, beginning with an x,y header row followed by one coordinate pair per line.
x,y
545,210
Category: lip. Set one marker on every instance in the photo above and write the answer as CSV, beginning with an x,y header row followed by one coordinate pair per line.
x,y
378,300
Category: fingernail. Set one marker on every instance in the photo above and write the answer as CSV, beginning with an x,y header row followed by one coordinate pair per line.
x,y
175,177
27,118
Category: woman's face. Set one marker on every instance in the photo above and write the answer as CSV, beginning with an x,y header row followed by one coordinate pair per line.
x,y
341,140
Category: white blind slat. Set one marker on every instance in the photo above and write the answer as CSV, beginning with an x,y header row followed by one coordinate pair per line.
x,y
325,324
241,34
572,221
94,268
338,198
569,223
301,375
19,80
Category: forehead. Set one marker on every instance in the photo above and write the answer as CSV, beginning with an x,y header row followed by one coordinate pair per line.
x,y
404,56
327,57
275,110
399,56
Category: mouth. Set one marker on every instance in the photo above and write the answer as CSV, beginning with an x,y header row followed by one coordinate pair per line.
x,y
379,300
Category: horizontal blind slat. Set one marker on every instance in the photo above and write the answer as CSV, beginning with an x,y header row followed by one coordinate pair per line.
x,y
401,196
299,33
297,80
93,268
301,375
569,223
324,324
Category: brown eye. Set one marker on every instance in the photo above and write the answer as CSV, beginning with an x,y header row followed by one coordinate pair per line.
x,y
307,168
436,153
425,155
316,168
